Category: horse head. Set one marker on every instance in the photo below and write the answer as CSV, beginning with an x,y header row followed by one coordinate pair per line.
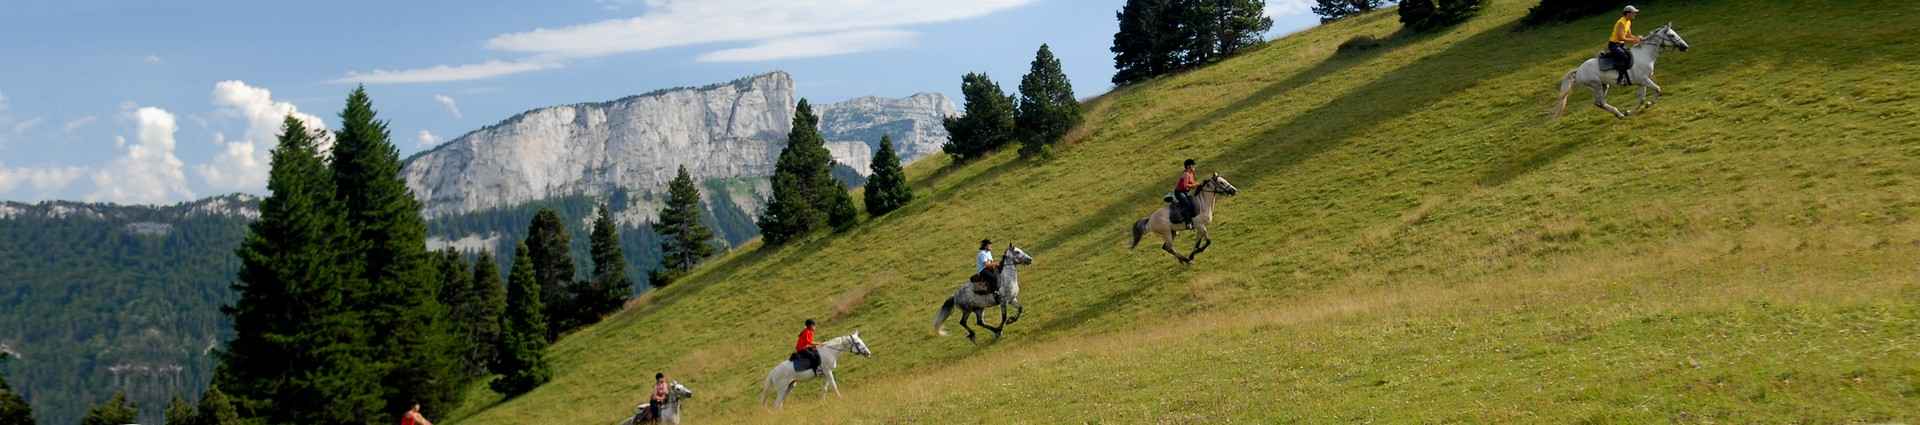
x,y
1016,256
1220,185
859,346
1666,36
679,392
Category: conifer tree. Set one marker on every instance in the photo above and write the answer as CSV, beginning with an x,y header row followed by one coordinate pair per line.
x,y
481,323
116,411
179,412
803,182
520,359
1240,24
298,345
457,294
552,257
215,408
417,349
609,287
684,241
887,189
1047,106
1416,14
1140,49
987,124
14,410
1334,10
841,214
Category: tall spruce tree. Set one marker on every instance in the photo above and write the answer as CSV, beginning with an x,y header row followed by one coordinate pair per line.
x,y
1334,10
609,287
987,124
417,349
298,346
457,294
1141,48
1047,106
520,359
481,323
179,412
1416,15
841,214
215,408
14,410
887,189
115,411
552,256
684,241
803,183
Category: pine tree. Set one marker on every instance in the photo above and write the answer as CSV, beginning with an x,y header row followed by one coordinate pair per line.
x,y
552,256
417,347
179,412
987,124
457,294
609,286
215,408
841,214
116,411
1334,10
1241,24
1416,15
802,182
684,241
887,189
1139,48
297,343
520,359
481,323
1047,106
13,409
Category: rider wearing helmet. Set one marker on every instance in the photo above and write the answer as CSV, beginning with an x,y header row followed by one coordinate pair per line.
x,y
1182,197
1618,43
805,350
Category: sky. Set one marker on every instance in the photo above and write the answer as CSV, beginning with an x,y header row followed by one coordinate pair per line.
x,y
157,102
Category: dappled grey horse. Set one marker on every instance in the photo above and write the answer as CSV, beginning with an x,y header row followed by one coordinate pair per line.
x,y
1589,73
976,304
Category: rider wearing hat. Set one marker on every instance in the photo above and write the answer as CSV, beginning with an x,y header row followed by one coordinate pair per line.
x,y
986,272
1618,43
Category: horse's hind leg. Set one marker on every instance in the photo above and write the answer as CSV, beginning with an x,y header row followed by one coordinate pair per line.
x,y
963,325
1600,101
1168,247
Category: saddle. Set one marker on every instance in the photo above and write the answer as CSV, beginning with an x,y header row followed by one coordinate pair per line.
x,y
987,281
1608,62
803,361
1176,213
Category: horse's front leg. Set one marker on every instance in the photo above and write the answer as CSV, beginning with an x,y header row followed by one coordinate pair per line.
x,y
1649,85
1201,241
1168,247
826,386
1003,315
981,319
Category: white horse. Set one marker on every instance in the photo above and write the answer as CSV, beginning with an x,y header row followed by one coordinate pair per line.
x,y
784,377
1160,223
669,414
974,304
1589,73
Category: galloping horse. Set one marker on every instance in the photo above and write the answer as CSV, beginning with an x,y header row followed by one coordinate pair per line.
x,y
784,377
972,304
670,413
1160,224
1589,73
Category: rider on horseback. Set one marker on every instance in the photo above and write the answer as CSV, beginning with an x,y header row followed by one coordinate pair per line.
x,y
805,349
1182,211
659,398
1617,44
986,272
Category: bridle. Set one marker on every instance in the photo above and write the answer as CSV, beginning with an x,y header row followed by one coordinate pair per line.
x,y
1208,186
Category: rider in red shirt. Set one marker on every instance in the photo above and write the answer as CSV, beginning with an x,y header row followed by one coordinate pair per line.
x,y
1182,197
413,417
805,348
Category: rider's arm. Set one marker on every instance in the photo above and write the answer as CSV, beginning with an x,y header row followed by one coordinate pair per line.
x,y
420,419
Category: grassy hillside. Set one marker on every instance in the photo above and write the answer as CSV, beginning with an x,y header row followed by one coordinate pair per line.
x,y
1413,242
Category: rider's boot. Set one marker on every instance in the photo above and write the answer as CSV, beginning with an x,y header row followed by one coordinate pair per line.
x,y
1624,79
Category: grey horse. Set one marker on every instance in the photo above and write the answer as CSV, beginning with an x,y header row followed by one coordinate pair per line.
x,y
669,414
972,304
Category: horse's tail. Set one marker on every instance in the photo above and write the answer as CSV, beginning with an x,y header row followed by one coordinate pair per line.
x,y
769,385
941,317
1139,229
1566,90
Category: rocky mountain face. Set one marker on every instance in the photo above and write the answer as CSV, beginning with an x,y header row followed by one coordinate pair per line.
x,y
626,150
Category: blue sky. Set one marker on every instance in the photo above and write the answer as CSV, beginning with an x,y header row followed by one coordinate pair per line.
x,y
166,101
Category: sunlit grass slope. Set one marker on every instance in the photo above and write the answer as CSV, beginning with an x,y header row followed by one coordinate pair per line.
x,y
1414,242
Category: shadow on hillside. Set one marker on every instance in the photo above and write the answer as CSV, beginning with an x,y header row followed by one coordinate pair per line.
x,y
1276,149
1506,171
1339,61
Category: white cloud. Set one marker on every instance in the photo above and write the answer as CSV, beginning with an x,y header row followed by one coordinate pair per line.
x,y
447,101
3,102
152,59
1279,8
444,73
148,173
671,23
426,139
242,165
78,123
22,127
676,23
44,180
814,46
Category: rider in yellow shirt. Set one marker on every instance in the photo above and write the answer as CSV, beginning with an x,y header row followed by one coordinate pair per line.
x,y
1618,43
